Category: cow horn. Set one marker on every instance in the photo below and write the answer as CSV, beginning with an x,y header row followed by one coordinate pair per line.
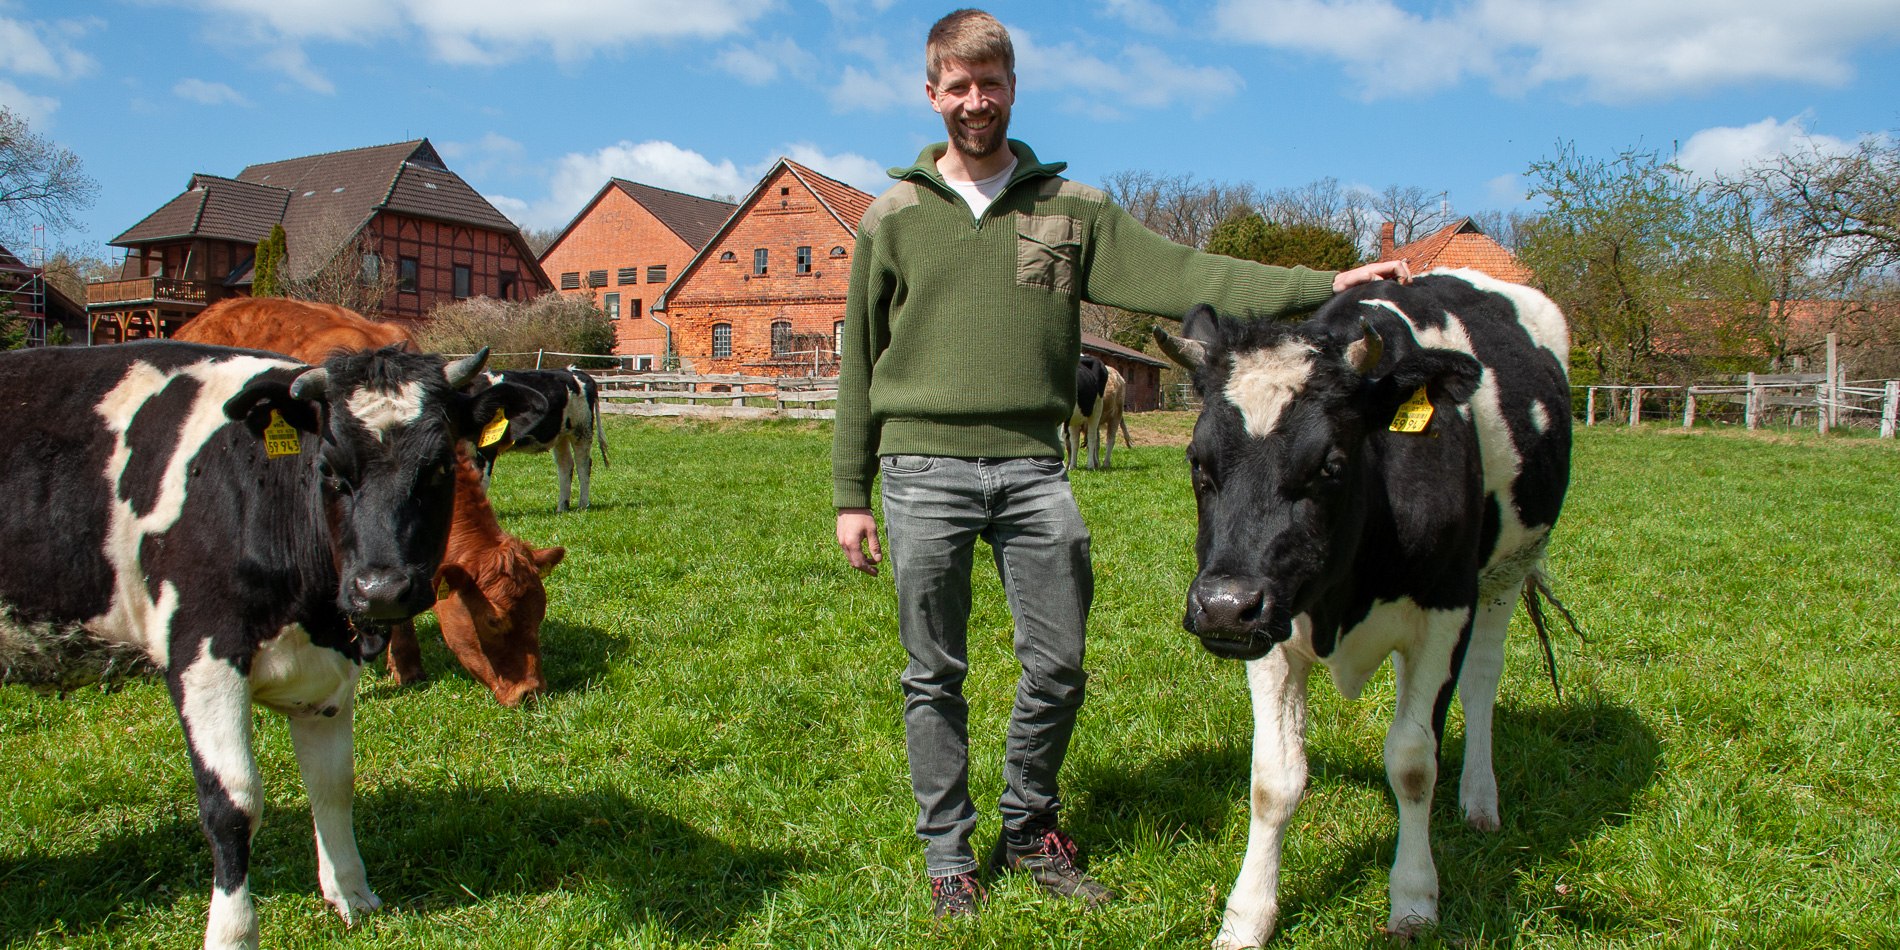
x,y
1363,354
310,384
1188,354
462,371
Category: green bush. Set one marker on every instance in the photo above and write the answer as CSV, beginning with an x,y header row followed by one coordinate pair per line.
x,y
267,277
552,321
1250,237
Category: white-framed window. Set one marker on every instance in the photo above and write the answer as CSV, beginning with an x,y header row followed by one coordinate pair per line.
x,y
758,262
643,362
837,336
781,337
721,340
611,304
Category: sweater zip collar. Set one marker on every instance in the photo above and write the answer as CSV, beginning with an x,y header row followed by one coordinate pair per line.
x,y
1027,167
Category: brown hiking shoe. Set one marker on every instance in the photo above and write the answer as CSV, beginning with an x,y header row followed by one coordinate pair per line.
x,y
1051,859
957,895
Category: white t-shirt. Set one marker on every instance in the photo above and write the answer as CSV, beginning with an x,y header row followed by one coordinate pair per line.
x,y
979,194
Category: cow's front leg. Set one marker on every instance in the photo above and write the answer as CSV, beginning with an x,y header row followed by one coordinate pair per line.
x,y
1477,694
564,469
213,699
324,756
405,654
1278,684
1422,670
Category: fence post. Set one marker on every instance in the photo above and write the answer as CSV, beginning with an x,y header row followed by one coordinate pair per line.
x,y
1821,407
1833,382
1636,405
537,358
1688,407
1887,408
1590,407
1750,404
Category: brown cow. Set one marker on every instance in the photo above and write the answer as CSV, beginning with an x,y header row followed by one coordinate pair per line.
x,y
490,597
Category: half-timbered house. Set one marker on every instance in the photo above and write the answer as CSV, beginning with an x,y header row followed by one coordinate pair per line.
x,y
623,248
395,214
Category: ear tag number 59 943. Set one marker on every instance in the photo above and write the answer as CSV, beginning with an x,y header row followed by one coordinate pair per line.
x,y
494,430
280,437
1414,414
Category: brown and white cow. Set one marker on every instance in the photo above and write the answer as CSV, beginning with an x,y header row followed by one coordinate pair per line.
x,y
492,600
1099,394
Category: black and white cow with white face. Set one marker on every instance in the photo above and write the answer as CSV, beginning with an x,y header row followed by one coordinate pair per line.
x,y
571,424
245,527
1328,535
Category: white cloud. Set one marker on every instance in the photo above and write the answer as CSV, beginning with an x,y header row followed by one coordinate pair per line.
x,y
1726,150
1612,50
489,155
1506,189
1141,14
1139,77
761,62
38,48
488,31
878,89
578,175
34,109
208,93
291,61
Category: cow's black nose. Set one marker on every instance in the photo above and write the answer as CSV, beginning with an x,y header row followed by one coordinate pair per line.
x,y
381,593
1226,608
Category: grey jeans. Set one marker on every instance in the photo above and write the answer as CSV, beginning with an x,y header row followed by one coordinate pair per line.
x,y
934,510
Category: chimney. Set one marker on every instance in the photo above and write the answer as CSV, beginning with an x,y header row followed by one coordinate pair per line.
x,y
1386,231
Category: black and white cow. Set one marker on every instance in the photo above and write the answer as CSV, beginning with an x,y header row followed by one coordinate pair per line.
x,y
244,526
1325,531
1100,392
572,422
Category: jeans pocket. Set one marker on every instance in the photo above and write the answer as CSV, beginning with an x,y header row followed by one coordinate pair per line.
x,y
1048,248
1048,466
905,464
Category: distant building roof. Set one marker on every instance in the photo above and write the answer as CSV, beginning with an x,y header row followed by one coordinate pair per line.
x,y
1103,344
1460,244
693,218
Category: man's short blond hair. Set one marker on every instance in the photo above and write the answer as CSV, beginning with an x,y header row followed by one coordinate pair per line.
x,y
968,36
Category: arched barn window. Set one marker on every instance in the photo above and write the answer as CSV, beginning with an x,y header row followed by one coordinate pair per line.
x,y
837,251
722,340
728,257
781,338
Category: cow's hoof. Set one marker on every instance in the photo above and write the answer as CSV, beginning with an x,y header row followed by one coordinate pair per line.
x,y
355,905
1407,926
1228,941
1483,822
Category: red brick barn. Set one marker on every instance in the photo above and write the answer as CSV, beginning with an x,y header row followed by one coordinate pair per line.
x,y
1143,372
396,207
624,248
766,295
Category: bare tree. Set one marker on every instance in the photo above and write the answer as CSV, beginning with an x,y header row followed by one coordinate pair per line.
x,y
540,239
1181,208
1509,228
70,270
1324,204
39,181
1413,211
1847,205
342,264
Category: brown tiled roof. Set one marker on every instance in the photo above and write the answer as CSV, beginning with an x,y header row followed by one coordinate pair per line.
x,y
693,218
11,263
1461,244
175,218
845,203
1102,344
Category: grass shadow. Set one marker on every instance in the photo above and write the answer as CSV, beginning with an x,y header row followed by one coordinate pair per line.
x,y
427,851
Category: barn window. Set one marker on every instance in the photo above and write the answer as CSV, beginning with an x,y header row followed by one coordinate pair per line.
x,y
837,336
629,275
722,340
728,257
643,362
406,269
781,338
656,273
611,304
758,262
633,309
461,281
837,251
804,260
372,269
785,190
571,280
597,278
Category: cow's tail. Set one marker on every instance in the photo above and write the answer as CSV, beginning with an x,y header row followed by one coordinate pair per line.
x,y
1126,438
1536,588
600,432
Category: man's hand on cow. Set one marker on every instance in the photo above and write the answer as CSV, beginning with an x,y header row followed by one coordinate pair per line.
x,y
857,534
1367,273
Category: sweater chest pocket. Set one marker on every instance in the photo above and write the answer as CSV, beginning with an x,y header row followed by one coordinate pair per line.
x,y
1048,248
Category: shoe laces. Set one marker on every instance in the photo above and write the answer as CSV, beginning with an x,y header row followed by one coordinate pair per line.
x,y
1060,849
961,888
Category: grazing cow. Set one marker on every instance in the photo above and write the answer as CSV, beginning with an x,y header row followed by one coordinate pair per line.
x,y
492,599
244,526
573,420
1099,394
1379,480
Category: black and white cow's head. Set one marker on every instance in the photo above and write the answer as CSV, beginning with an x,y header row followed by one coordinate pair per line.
x,y
1278,461
387,423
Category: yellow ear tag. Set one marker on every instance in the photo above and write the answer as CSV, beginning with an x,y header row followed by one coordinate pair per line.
x,y
493,431
1414,414
441,590
280,437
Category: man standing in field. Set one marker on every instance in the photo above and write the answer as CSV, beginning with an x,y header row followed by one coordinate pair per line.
x,y
961,337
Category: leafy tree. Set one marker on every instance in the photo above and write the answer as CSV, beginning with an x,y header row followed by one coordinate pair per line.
x,y
268,277
39,181
1250,237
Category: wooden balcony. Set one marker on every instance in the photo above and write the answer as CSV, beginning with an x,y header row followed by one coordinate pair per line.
x,y
110,294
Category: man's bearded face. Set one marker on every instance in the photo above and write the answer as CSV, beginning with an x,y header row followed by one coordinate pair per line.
x,y
974,100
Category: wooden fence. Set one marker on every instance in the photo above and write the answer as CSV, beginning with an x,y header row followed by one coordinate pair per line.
x,y
1754,401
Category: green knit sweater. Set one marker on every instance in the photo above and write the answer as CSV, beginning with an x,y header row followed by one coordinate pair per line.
x,y
961,336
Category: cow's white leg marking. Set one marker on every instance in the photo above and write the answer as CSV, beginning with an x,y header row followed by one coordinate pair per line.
x,y
564,467
324,748
381,411
584,460
214,703
1278,684
1477,693
1411,765
1262,383
1095,437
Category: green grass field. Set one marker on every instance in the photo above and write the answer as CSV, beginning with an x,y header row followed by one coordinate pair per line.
x,y
719,761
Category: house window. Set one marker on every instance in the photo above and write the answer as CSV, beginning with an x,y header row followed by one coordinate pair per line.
x,y
722,340
758,262
611,304
571,280
372,269
507,285
728,257
406,269
656,273
596,278
643,362
781,338
628,275
785,190
633,311
461,281
837,251
837,336
804,260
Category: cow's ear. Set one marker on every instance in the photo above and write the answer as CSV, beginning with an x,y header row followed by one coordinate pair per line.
x,y
253,405
524,408
1446,374
545,559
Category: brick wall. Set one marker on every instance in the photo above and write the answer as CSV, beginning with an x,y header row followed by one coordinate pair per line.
x,y
784,218
614,234
438,248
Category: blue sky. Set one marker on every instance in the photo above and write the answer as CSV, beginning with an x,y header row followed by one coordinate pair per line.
x,y
537,103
